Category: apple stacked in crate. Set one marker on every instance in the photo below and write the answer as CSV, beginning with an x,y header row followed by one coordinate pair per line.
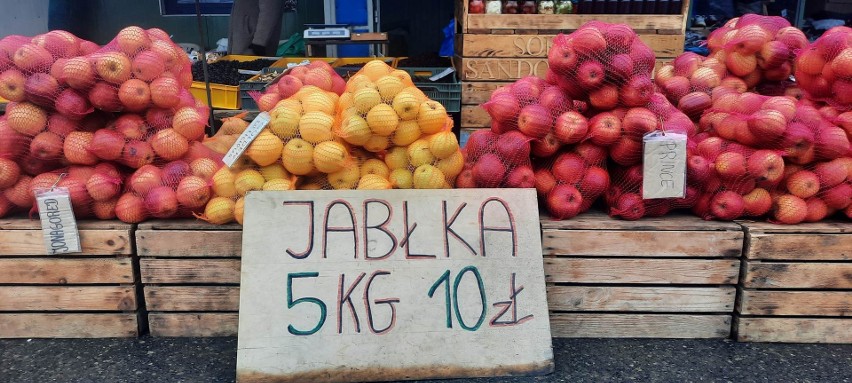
x,y
89,116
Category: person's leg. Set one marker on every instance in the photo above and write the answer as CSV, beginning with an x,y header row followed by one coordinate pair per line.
x,y
242,26
268,31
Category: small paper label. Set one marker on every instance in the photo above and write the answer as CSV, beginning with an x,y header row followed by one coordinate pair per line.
x,y
664,170
441,75
58,224
246,139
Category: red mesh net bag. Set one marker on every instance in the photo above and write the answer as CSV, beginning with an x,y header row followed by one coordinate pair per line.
x,y
814,192
94,190
497,160
824,69
572,180
318,73
606,65
622,133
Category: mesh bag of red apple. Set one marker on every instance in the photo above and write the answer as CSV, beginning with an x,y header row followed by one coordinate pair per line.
x,y
757,48
606,65
622,133
318,73
824,69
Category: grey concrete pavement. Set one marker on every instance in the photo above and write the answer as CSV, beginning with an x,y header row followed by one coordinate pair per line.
x,y
165,360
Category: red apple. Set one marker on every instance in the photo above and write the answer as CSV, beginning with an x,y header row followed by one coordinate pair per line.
x,y
513,147
569,168
629,206
489,171
626,151
564,201
522,177
594,182
731,165
591,153
757,202
535,121
605,129
803,184
698,169
545,147
637,91
571,127
590,74
727,206
790,209
544,182
503,107
766,166
838,197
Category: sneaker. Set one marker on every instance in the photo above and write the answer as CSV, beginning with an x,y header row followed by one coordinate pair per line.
x,y
699,21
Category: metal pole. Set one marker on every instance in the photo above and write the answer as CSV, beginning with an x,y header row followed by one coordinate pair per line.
x,y
212,129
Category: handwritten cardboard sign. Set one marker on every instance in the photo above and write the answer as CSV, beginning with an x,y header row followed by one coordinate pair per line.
x,y
389,285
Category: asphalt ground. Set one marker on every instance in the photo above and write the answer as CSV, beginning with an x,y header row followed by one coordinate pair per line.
x,y
208,360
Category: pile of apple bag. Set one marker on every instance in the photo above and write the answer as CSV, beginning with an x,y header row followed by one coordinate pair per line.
x,y
115,125
378,131
759,142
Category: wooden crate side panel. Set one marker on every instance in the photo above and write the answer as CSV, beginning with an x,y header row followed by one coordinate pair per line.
x,y
71,298
92,242
494,69
640,326
193,324
786,275
478,92
597,220
800,247
795,303
188,243
538,45
35,224
106,325
826,227
192,298
66,271
473,116
182,271
642,243
196,224
794,330
644,271
570,22
647,299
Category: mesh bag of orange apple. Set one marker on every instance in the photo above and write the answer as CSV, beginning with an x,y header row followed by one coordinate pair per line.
x,y
175,189
757,48
814,192
606,65
824,69
318,73
383,112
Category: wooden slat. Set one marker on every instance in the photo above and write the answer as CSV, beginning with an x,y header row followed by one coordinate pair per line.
x,y
784,275
193,324
639,326
473,116
595,220
650,271
188,243
569,22
800,247
192,298
794,330
491,69
106,325
642,243
648,299
478,92
801,303
92,242
538,45
827,227
71,298
190,224
179,271
66,271
35,224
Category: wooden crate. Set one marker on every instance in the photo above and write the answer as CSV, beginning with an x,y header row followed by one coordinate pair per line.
x,y
84,295
190,273
797,284
669,277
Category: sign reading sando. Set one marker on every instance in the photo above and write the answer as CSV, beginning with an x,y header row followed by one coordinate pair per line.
x,y
392,285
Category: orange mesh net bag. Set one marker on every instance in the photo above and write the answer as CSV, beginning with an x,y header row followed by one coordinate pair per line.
x,y
824,69
606,65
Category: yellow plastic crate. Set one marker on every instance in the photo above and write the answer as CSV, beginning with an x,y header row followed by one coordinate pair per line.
x,y
349,61
224,96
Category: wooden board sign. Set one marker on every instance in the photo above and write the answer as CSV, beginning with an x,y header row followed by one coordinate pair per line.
x,y
349,286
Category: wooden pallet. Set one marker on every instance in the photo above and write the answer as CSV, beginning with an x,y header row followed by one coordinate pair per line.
x,y
670,277
796,284
84,295
190,273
